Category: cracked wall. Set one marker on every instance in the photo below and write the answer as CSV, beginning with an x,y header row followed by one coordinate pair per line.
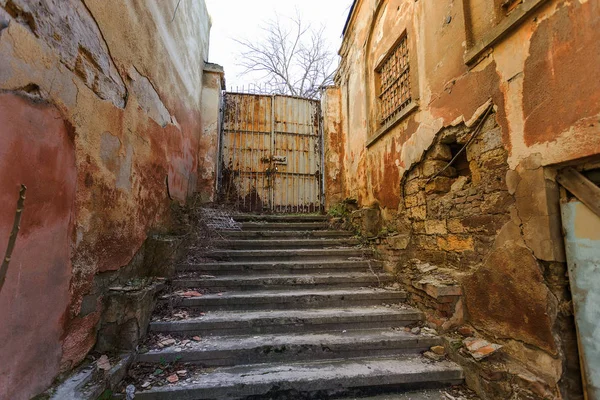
x,y
101,106
497,238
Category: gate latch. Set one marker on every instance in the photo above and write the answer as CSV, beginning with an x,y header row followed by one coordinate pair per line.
x,y
282,160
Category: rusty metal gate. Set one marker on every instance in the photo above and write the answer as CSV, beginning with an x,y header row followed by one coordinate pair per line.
x,y
271,154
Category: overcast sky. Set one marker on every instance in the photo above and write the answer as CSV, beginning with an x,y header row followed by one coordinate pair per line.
x,y
243,18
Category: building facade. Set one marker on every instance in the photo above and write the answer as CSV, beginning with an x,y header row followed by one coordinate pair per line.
x,y
101,108
448,124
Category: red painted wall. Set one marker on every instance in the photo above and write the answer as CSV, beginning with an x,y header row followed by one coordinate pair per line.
x,y
36,149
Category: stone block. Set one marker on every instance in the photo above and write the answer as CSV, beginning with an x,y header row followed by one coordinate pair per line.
x,y
496,203
415,200
399,242
424,242
438,289
432,167
459,184
419,213
436,227
160,255
414,186
508,298
455,243
440,184
369,220
536,203
127,312
488,224
440,152
475,172
419,227
455,225
492,139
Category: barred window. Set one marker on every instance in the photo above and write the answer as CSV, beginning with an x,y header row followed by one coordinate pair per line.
x,y
394,82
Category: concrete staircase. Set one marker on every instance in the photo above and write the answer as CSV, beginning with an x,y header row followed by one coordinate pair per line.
x,y
294,310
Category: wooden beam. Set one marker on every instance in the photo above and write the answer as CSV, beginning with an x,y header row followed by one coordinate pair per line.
x,y
581,187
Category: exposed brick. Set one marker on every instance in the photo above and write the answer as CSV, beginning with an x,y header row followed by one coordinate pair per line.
x,y
419,227
435,227
440,152
440,184
455,226
414,200
455,243
432,167
414,186
419,213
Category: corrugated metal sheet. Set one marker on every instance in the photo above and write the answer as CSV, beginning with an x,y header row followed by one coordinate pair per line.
x,y
582,244
271,153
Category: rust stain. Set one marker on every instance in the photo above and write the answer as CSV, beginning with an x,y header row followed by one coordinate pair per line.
x,y
386,178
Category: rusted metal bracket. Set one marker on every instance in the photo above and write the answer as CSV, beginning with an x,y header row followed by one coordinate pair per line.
x,y
581,187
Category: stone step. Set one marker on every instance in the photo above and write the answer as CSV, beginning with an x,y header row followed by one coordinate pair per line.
x,y
307,379
285,234
220,351
282,282
298,243
280,218
292,299
282,267
284,226
291,320
349,254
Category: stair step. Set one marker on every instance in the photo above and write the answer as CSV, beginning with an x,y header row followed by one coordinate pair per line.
x,y
281,282
427,394
296,320
282,267
284,226
280,218
352,254
282,299
324,377
272,243
230,351
285,234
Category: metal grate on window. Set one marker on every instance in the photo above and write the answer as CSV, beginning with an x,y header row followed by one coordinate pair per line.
x,y
394,82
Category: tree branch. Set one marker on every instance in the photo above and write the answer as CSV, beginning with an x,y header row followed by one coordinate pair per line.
x,y
12,239
292,57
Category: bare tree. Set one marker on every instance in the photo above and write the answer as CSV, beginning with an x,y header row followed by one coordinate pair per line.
x,y
293,57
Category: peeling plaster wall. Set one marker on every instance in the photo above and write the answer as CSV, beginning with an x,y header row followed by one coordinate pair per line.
x,y
542,79
100,103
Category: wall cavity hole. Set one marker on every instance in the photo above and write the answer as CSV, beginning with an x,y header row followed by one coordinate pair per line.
x,y
461,163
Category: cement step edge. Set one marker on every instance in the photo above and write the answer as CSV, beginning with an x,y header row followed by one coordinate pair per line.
x,y
294,320
236,350
309,377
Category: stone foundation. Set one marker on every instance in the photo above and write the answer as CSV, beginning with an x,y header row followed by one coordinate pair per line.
x,y
479,243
